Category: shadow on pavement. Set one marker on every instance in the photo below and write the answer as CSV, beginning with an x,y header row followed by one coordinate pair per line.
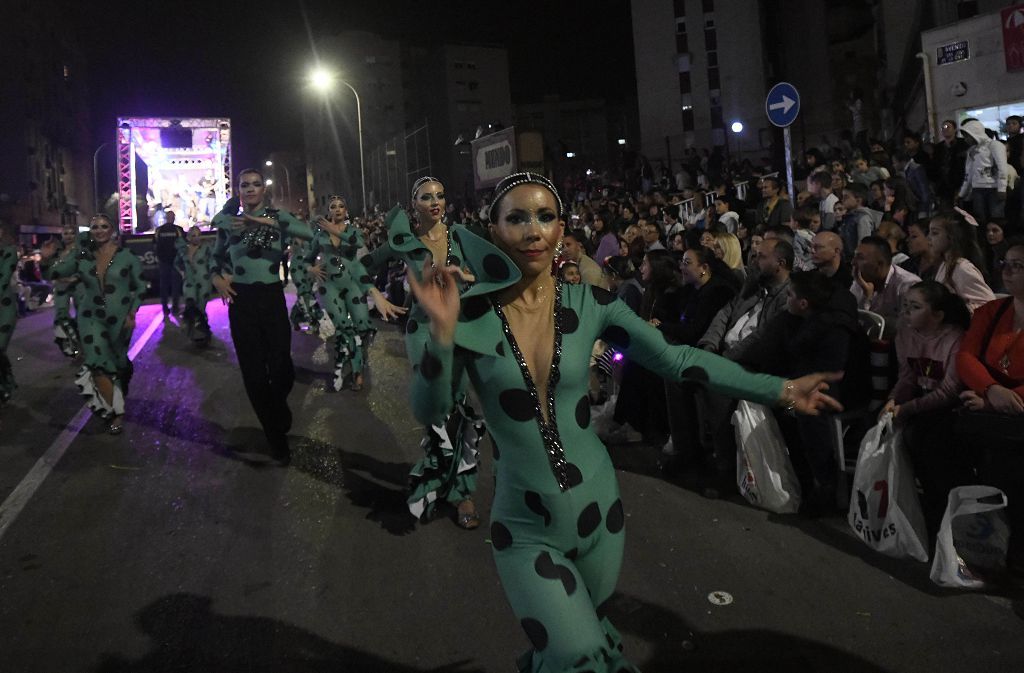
x,y
363,478
678,648
187,635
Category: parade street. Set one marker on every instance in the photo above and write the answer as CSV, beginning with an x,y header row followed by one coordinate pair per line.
x,y
177,546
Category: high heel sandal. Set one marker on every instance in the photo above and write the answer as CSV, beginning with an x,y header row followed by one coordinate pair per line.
x,y
116,426
467,520
357,383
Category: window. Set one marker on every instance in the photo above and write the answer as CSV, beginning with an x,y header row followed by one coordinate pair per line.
x,y
714,80
681,26
680,6
712,59
717,121
710,40
688,120
709,6
682,45
709,23
684,83
683,61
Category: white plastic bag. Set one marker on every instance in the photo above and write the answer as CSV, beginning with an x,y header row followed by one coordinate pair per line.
x,y
971,546
884,509
764,472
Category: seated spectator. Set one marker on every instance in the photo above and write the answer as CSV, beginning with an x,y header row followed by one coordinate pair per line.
x,y
928,388
994,251
620,275
991,365
952,241
876,195
878,284
673,225
727,249
572,250
901,204
569,272
603,239
818,332
827,255
820,186
652,237
894,235
922,260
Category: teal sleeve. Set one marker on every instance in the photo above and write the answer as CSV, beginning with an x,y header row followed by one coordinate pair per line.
x,y
64,268
181,248
294,227
432,382
8,263
377,260
311,252
645,344
136,284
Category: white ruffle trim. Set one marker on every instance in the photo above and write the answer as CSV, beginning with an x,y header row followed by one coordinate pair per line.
x,y
93,399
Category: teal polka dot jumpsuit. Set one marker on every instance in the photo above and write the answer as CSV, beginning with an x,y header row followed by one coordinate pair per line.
x,y
557,524
8,316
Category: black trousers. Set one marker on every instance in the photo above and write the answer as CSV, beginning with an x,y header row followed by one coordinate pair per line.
x,y
170,285
263,343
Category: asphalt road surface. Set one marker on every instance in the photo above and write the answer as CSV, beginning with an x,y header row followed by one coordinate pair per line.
x,y
173,548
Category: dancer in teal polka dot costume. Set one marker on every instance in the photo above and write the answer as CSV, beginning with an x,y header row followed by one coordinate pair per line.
x,y
525,339
111,291
8,313
195,260
305,313
447,472
343,288
65,326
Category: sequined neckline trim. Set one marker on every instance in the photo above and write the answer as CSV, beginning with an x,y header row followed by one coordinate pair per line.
x,y
548,429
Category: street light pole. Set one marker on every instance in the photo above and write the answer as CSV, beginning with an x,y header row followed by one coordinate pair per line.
x,y
95,180
362,166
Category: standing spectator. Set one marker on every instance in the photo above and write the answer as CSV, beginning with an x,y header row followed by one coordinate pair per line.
x,y
985,173
914,150
878,284
952,240
855,104
572,250
805,223
820,186
859,220
166,239
1014,152
948,158
726,215
774,209
916,180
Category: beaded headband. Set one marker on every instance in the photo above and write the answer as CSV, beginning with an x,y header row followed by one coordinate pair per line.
x,y
336,197
422,181
509,183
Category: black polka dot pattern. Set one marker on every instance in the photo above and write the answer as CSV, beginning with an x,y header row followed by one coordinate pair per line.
x,y
495,267
536,632
570,321
411,326
588,520
474,307
501,536
583,412
536,505
500,349
616,336
573,475
517,404
698,374
602,296
430,366
615,519
546,567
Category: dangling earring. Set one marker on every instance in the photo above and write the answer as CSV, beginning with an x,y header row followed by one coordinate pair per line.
x,y
558,248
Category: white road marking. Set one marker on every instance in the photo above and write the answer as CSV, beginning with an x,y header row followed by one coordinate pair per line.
x,y
19,497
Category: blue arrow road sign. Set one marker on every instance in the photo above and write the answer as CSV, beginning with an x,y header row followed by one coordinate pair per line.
x,y
782,104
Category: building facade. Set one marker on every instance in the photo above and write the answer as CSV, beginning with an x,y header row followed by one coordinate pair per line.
x,y
46,172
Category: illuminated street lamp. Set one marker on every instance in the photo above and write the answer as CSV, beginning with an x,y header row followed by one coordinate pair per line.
x,y
737,129
268,162
270,181
323,81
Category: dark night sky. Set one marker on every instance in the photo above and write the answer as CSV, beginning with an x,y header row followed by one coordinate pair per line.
x,y
247,60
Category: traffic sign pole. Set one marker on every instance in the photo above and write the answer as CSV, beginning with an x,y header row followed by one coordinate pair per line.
x,y
789,164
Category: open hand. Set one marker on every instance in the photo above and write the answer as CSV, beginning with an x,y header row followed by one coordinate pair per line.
x,y
1004,400
223,285
438,295
317,271
387,310
808,393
